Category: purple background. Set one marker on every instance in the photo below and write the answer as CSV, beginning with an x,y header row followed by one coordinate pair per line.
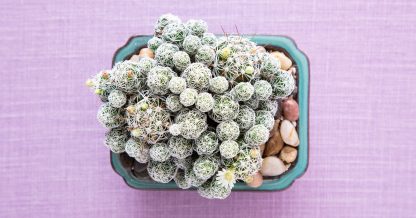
x,y
362,108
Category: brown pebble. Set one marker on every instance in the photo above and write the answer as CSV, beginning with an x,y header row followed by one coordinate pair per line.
x,y
274,145
275,127
256,180
292,70
290,109
285,62
288,154
135,58
146,52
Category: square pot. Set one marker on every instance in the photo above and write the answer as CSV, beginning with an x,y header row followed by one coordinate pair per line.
x,y
135,174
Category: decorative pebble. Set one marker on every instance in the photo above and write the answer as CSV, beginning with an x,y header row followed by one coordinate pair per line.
x,y
135,58
255,181
290,109
275,127
274,145
272,166
288,154
146,52
285,62
288,133
292,70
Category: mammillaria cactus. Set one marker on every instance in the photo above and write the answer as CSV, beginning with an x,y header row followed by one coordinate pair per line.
x,y
191,44
283,84
214,190
253,103
173,103
204,102
181,60
197,76
206,166
159,152
163,21
243,91
225,108
269,105
164,54
174,33
184,164
193,179
177,85
228,130
256,135
180,147
109,116
197,27
269,65
198,110
181,181
246,117
117,98
262,90
188,97
115,139
154,43
218,85
207,143
127,77
145,64
205,54
247,163
192,124
229,149
149,120
209,39
162,172
138,149
158,79
265,118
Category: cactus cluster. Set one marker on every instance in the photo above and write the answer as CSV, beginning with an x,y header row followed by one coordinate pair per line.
x,y
197,111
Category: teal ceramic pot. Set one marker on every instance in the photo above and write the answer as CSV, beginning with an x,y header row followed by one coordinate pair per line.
x,y
135,174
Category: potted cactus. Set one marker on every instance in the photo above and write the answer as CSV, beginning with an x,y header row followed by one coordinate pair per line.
x,y
191,110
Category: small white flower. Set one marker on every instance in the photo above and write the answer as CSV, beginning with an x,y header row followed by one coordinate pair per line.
x,y
226,178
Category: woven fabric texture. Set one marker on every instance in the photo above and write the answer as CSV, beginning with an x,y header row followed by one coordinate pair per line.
x,y
362,108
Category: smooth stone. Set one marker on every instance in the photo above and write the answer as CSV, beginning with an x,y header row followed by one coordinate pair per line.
x,y
288,154
146,52
256,180
135,58
292,70
288,133
272,166
290,109
275,127
285,62
274,145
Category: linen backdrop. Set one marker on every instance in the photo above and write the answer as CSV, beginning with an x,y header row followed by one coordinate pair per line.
x,y
362,107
